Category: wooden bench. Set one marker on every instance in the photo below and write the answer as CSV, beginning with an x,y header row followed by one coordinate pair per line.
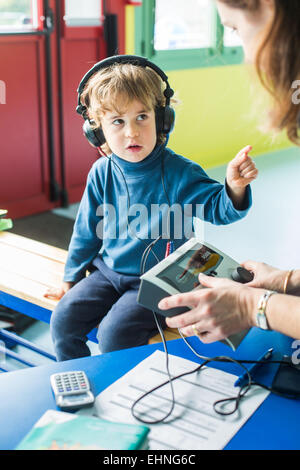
x,y
27,269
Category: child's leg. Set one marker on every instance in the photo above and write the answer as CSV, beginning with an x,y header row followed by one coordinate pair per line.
x,y
78,312
127,324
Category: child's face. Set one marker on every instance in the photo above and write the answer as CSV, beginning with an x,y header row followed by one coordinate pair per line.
x,y
131,135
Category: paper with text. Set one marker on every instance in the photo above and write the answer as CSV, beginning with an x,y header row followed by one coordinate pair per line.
x,y
193,424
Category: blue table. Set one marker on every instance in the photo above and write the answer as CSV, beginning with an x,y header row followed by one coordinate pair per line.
x,y
25,395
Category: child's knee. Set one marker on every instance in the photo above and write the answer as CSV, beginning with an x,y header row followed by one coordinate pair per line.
x,y
113,337
59,319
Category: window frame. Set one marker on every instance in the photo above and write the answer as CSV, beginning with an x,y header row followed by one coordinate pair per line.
x,y
218,55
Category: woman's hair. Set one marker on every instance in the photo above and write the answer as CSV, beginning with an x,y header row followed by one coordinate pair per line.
x,y
278,62
114,87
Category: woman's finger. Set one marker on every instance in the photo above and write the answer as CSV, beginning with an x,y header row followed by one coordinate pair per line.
x,y
250,265
211,281
204,336
188,299
188,319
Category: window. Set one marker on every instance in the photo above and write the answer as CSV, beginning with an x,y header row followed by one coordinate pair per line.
x,y
18,15
184,34
178,29
83,13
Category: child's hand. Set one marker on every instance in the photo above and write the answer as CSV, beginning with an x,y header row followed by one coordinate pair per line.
x,y
241,171
56,293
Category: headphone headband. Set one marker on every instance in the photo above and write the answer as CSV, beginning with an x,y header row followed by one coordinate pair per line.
x,y
123,59
164,115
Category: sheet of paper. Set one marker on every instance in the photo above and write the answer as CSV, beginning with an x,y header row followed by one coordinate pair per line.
x,y
193,424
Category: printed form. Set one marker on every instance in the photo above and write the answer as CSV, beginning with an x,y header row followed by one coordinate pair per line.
x,y
193,424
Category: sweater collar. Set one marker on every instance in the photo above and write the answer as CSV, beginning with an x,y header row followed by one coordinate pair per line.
x,y
139,168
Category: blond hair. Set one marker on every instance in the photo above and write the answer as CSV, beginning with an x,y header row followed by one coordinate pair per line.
x,y
115,86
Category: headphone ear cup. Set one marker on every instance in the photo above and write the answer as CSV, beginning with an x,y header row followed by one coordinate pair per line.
x,y
169,119
165,119
94,136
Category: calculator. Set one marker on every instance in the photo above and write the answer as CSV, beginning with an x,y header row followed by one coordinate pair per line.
x,y
71,389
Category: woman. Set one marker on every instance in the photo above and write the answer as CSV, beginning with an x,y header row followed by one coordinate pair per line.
x,y
270,32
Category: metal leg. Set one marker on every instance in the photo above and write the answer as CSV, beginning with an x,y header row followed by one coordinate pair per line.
x,y
24,342
16,356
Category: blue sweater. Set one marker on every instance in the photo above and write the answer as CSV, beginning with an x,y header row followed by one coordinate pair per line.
x,y
104,213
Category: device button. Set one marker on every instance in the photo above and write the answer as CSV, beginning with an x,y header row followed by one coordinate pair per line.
x,y
242,275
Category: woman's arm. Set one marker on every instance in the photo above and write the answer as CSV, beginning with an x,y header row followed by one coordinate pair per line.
x,y
227,307
272,278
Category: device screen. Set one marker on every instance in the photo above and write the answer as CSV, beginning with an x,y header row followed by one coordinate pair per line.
x,y
183,273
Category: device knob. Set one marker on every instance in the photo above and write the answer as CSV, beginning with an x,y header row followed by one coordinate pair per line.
x,y
242,275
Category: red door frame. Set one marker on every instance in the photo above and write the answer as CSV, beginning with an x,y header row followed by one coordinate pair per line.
x,y
47,117
23,130
88,46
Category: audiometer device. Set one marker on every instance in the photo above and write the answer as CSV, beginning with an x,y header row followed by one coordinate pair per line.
x,y
179,273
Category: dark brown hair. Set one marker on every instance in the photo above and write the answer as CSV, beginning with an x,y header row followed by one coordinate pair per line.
x,y
278,62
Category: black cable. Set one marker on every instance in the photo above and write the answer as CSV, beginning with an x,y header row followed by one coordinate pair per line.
x,y
168,381
243,390
197,369
162,173
219,403
146,253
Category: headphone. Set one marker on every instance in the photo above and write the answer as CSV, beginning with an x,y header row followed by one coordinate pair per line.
x,y
164,115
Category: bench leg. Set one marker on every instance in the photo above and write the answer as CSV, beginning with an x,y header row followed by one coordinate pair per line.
x,y
13,338
16,356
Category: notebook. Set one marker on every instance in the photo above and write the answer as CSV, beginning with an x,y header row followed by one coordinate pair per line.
x,y
58,430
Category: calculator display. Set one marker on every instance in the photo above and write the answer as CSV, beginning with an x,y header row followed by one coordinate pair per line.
x,y
75,398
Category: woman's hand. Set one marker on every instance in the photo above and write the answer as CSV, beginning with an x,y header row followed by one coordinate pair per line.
x,y
227,307
265,276
56,293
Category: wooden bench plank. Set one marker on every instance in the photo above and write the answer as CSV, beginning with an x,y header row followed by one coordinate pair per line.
x,y
26,289
30,265
33,246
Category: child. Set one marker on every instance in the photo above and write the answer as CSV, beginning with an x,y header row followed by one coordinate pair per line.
x,y
140,176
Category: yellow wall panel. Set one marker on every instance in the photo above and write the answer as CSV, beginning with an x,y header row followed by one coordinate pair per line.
x,y
129,27
218,114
